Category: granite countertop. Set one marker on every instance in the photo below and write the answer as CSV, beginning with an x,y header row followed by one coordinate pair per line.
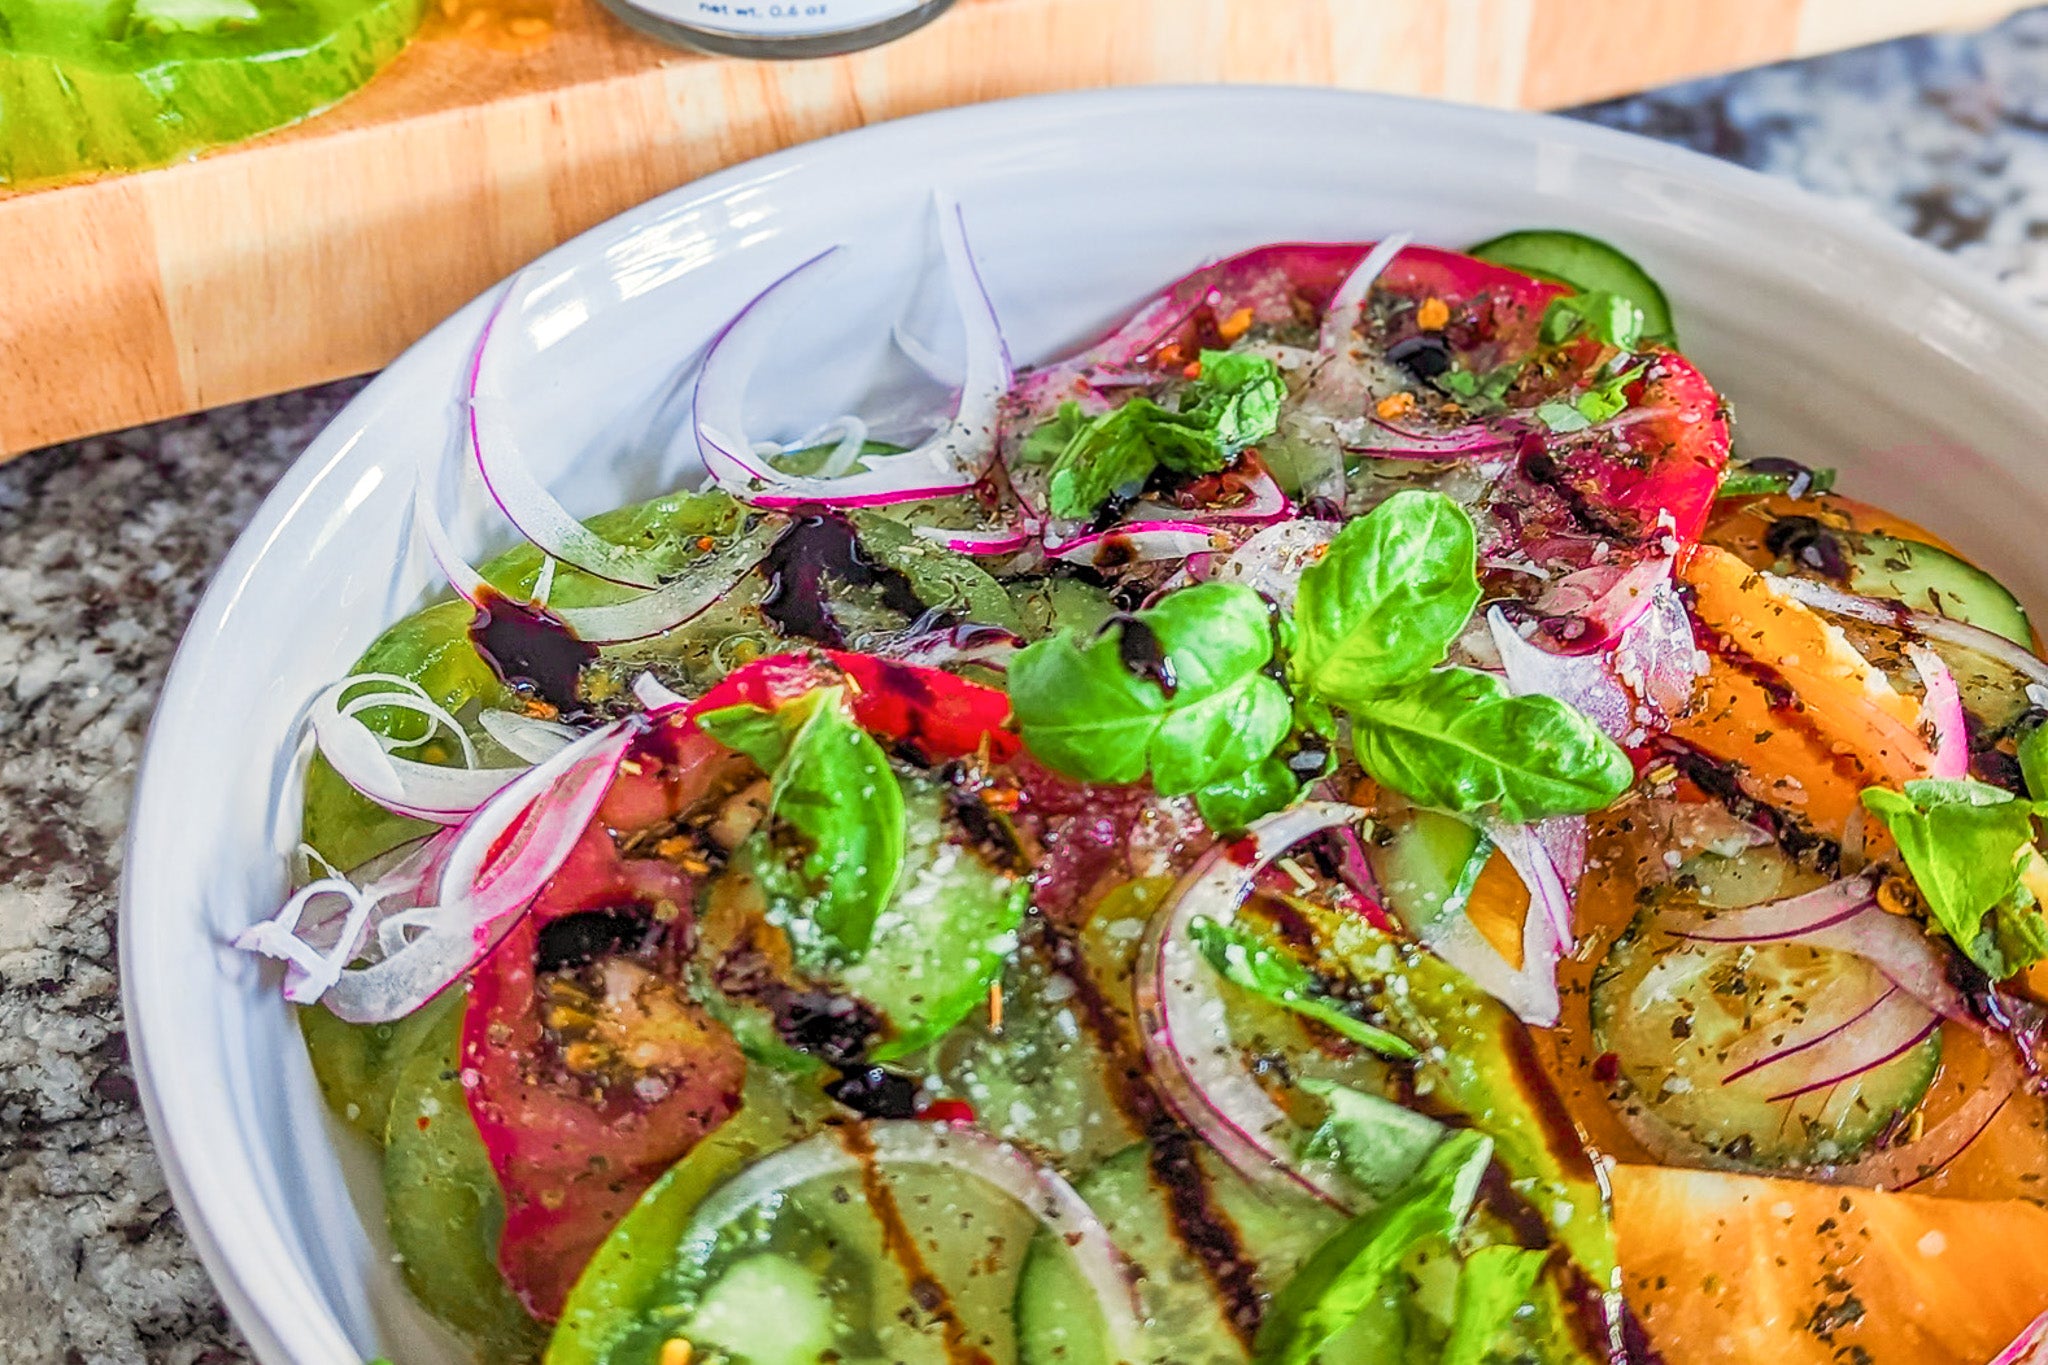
x,y
105,545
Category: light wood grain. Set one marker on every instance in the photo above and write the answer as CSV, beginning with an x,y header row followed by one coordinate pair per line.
x,y
325,249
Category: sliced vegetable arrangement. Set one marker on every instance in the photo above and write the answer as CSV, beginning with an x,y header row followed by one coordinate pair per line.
x,y
1331,825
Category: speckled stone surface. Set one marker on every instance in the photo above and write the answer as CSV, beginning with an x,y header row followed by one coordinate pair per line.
x,y
105,545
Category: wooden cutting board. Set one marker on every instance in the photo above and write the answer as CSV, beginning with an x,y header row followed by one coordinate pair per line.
x,y
324,250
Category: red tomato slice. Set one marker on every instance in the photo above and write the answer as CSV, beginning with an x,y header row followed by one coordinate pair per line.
x,y
574,1142
575,1137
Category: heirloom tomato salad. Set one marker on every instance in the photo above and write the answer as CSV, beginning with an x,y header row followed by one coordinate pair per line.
x,y
1341,823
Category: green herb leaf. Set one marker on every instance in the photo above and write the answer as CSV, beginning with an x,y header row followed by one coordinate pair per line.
x,y
1479,394
1611,318
1754,483
1246,960
1234,802
834,789
1494,1283
1457,740
1347,1274
1387,599
1606,399
1966,844
2033,755
1562,417
1375,1141
753,730
1119,449
1053,435
1237,398
1083,711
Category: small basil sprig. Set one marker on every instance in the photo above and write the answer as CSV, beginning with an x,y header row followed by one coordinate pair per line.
x,y
1199,709
1235,403
1610,318
830,786
1376,617
1970,848
1348,1276
1605,399
1244,960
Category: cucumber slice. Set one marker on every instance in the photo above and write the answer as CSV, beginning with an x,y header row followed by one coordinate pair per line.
x,y
1586,264
765,1310
1687,1020
1929,579
358,1065
1426,864
1057,1320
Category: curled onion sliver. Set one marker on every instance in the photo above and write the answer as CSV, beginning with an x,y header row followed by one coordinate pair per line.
x,y
1180,1015
656,697
1943,706
494,443
404,786
1342,313
950,460
956,1147
1272,561
1139,542
529,737
1878,611
1002,541
315,945
490,871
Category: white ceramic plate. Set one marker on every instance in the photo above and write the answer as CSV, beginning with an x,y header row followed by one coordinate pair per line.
x,y
1837,342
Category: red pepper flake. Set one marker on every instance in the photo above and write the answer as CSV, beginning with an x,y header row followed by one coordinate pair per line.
x,y
1244,852
947,1111
1607,1068
1193,369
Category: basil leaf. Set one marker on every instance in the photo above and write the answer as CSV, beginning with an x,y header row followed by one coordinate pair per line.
x,y
1243,959
942,579
1611,318
750,729
1347,1274
1494,1283
1238,398
1387,599
1966,844
1234,802
1051,436
1375,1141
1455,739
835,790
2033,755
1119,450
1083,711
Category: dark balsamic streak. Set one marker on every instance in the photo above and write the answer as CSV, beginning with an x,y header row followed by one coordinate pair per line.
x,y
818,545
900,1244
531,649
1139,648
1203,1228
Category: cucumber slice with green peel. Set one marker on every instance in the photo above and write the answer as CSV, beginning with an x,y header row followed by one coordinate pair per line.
x,y
91,86
1426,864
1933,580
765,1292
1754,1053
1585,263
1183,1322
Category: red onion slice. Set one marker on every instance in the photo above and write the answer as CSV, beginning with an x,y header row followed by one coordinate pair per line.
x,y
701,583
1551,894
1139,542
1529,990
1844,916
951,460
1801,1043
1001,541
1877,611
1181,1016
489,872
1272,561
528,737
1894,1027
989,646
364,759
952,1146
1341,316
1943,706
2030,1347
1584,682
1469,441
1902,1167
316,939
656,697
495,445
